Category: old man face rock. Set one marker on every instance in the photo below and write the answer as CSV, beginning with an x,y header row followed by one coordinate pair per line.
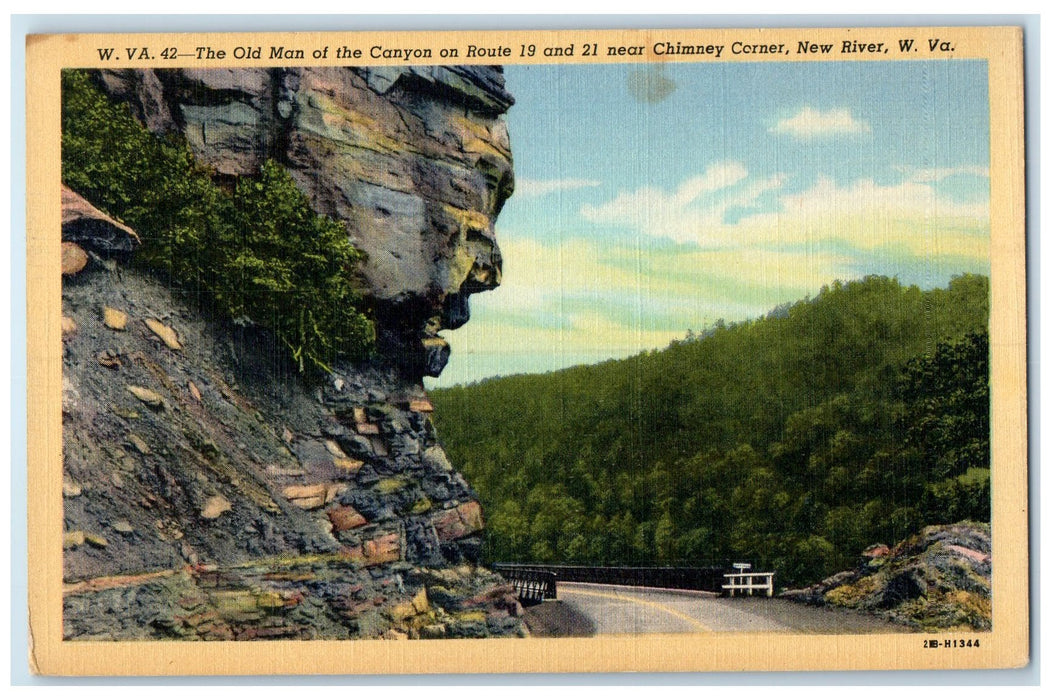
x,y
415,160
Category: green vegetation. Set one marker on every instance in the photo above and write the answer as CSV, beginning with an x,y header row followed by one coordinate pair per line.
x,y
793,441
258,251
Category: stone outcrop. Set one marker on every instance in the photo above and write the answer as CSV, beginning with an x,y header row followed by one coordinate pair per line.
x,y
937,580
415,160
209,492
88,232
85,227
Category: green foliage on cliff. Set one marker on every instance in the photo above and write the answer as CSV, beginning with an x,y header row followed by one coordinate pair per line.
x,y
258,252
793,441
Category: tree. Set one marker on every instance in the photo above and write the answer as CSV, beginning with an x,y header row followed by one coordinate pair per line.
x,y
947,399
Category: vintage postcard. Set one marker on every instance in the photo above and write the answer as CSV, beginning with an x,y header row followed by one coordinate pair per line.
x,y
450,352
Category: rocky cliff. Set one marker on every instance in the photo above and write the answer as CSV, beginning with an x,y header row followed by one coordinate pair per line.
x,y
210,492
415,160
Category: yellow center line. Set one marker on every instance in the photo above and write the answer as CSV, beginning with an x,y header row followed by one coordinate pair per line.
x,y
630,599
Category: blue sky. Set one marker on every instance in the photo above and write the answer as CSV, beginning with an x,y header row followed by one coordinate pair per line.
x,y
653,199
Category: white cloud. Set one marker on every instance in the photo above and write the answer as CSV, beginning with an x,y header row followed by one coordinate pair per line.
x,y
538,188
717,177
811,123
862,213
754,190
864,196
653,209
905,218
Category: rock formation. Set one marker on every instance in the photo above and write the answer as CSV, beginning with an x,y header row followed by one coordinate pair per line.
x,y
937,580
209,492
415,160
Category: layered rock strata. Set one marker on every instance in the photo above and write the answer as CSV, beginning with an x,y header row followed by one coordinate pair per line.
x,y
208,491
416,161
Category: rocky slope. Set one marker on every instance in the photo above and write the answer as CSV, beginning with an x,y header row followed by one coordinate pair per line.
x,y
209,491
937,580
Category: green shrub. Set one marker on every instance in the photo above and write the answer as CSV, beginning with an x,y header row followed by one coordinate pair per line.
x,y
258,252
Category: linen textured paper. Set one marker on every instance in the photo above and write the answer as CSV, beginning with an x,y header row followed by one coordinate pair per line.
x,y
365,352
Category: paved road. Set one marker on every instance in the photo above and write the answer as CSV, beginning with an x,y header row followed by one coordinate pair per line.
x,y
631,610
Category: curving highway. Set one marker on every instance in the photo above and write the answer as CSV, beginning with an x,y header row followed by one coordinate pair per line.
x,y
632,610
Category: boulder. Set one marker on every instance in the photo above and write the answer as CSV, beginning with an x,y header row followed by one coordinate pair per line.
x,y
74,259
165,333
69,326
214,507
345,518
147,396
114,319
454,523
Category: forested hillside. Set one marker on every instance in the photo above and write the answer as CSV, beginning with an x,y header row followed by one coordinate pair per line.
x,y
793,441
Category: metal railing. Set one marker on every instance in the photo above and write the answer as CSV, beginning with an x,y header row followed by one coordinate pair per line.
x,y
681,577
532,584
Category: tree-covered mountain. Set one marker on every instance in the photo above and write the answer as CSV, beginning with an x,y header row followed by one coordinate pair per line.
x,y
793,441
